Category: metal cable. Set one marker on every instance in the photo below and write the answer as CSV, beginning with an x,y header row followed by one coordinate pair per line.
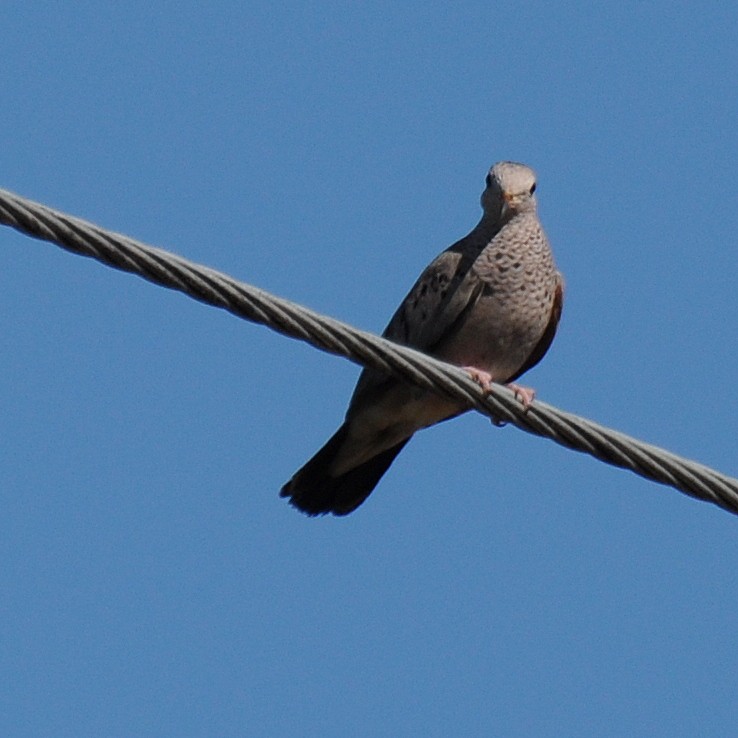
x,y
296,321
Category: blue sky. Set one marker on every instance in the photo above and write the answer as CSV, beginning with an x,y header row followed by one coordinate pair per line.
x,y
152,581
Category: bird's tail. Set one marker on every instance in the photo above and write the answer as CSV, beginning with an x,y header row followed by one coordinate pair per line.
x,y
314,491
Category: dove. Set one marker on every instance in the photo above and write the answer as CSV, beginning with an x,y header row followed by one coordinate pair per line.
x,y
490,304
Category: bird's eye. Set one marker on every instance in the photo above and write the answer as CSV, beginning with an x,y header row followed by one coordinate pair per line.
x,y
533,188
489,180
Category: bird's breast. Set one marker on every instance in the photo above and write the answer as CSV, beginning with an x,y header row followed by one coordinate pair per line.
x,y
511,314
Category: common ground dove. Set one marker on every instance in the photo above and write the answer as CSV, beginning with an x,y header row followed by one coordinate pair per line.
x,y
490,304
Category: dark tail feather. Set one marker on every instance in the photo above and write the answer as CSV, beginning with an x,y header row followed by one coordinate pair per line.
x,y
315,492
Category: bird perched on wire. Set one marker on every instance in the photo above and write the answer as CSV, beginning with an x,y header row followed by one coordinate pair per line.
x,y
490,304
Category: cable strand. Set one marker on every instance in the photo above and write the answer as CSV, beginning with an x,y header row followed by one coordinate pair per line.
x,y
296,321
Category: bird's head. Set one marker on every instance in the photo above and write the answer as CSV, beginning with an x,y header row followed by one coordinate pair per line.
x,y
510,188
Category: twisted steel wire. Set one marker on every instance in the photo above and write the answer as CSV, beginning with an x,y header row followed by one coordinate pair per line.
x,y
293,320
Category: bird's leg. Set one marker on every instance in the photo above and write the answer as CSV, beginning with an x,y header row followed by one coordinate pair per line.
x,y
526,395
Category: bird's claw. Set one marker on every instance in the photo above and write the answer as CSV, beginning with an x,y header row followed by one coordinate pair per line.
x,y
482,378
526,395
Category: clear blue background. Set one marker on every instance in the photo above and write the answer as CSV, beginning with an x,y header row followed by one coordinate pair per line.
x,y
151,581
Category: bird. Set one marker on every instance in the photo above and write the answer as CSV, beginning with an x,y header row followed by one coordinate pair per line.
x,y
490,303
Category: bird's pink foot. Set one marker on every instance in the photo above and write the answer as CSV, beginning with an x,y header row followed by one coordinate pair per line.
x,y
482,378
526,395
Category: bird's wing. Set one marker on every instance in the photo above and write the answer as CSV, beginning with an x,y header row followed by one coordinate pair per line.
x,y
446,290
